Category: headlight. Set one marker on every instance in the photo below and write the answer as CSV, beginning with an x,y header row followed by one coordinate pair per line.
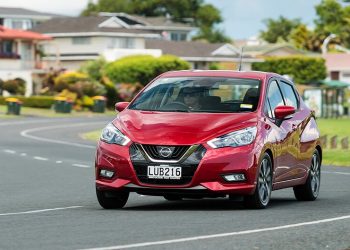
x,y
234,139
111,134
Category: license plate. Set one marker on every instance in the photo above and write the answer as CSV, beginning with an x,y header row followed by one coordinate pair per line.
x,y
164,172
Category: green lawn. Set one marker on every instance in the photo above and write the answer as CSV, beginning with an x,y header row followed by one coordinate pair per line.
x,y
92,136
341,128
25,112
330,127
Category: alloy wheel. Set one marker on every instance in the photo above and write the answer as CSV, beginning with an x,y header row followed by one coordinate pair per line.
x,y
265,181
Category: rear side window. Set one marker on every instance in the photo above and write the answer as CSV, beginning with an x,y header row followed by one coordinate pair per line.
x,y
274,98
289,94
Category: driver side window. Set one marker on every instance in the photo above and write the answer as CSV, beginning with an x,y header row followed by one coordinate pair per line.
x,y
274,98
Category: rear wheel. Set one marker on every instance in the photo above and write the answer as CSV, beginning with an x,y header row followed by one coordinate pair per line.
x,y
112,199
262,194
310,190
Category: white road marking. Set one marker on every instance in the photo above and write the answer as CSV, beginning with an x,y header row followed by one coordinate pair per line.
x,y
329,172
59,162
23,154
40,158
41,210
25,133
204,237
80,166
9,151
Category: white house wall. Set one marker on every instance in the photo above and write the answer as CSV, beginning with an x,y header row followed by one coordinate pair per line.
x,y
97,45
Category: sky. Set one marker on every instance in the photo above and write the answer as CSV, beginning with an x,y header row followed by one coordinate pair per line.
x,y
242,18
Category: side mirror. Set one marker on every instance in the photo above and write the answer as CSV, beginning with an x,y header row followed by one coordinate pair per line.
x,y
120,106
281,112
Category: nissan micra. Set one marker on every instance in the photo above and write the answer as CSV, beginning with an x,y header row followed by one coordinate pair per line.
x,y
197,134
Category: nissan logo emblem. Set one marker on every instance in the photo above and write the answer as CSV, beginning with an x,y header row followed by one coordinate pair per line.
x,y
165,152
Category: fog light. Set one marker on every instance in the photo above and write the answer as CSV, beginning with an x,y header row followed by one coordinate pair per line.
x,y
106,173
234,177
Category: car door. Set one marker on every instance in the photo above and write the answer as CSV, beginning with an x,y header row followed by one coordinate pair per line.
x,y
295,124
279,133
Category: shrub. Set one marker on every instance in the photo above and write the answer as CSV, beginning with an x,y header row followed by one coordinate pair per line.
x,y
111,92
15,86
142,68
65,80
94,68
303,70
33,101
78,83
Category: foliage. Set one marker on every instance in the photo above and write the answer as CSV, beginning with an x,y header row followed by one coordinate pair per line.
x,y
63,81
333,18
127,91
111,92
204,16
15,86
78,83
214,66
33,101
278,29
142,68
94,68
303,70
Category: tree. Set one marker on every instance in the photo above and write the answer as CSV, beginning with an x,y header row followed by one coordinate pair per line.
x,y
279,28
205,16
333,18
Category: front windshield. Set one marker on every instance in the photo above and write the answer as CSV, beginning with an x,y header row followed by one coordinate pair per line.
x,y
200,94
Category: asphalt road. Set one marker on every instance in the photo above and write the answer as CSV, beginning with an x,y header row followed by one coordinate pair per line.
x,y
47,201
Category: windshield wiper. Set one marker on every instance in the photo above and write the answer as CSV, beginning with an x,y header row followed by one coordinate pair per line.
x,y
174,110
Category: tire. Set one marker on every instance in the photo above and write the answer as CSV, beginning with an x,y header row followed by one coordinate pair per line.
x,y
310,190
262,194
172,197
112,199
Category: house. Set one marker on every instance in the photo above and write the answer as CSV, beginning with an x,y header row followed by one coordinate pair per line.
x,y
113,35
201,55
20,55
338,66
24,19
256,47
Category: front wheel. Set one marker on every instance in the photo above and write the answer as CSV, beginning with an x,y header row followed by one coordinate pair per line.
x,y
261,197
310,190
112,199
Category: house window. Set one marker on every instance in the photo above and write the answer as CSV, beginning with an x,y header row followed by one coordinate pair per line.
x,y
81,40
7,49
22,24
121,43
175,36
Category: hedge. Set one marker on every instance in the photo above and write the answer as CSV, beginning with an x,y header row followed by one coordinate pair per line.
x,y
303,70
32,101
142,69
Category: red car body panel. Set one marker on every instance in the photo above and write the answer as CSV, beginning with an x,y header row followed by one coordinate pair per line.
x,y
290,144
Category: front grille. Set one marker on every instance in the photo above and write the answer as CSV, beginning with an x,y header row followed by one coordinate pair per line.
x,y
153,152
187,174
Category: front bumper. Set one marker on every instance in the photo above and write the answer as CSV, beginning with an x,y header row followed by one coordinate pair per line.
x,y
207,178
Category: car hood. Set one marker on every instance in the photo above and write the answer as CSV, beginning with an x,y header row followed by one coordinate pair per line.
x,y
170,128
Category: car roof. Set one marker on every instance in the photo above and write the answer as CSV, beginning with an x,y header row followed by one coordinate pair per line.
x,y
221,73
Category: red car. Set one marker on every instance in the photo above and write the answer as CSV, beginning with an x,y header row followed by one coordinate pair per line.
x,y
196,134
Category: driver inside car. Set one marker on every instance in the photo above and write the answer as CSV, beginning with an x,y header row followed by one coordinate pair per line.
x,y
190,96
